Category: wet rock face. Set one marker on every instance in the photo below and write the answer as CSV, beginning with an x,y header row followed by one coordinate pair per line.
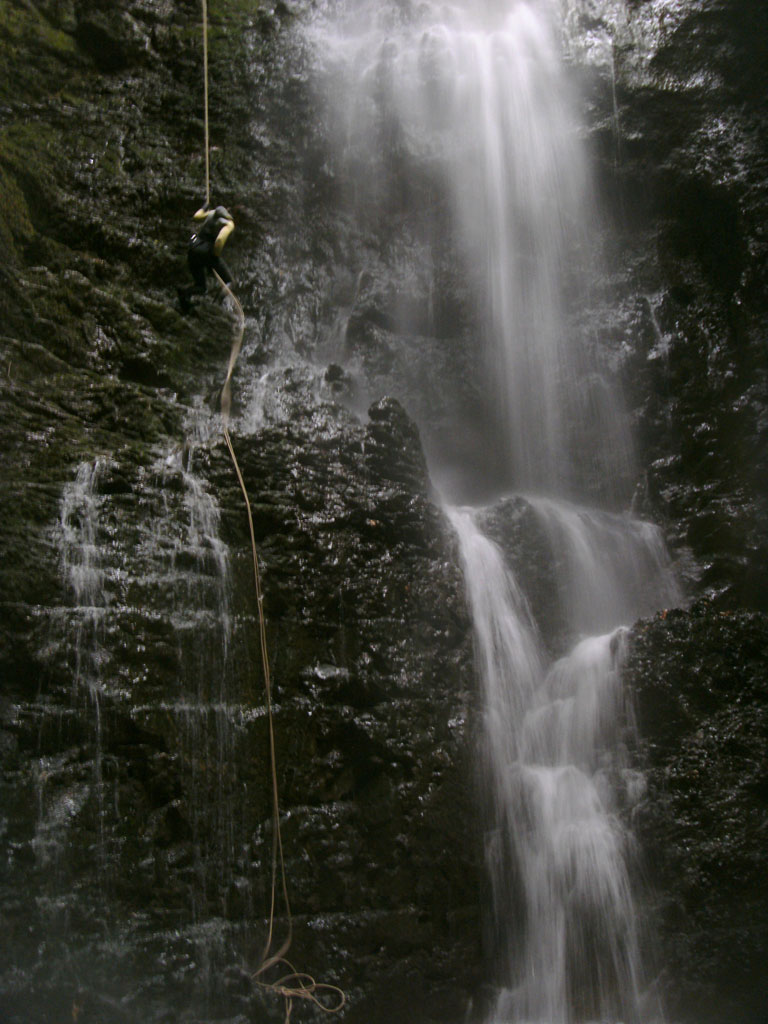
x,y
679,130
684,158
136,770
136,821
136,828
700,683
363,565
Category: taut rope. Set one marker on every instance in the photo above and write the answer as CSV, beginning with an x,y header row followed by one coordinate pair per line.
x,y
205,103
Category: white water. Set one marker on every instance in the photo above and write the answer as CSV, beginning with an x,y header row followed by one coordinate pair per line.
x,y
477,92
612,568
81,567
557,851
184,563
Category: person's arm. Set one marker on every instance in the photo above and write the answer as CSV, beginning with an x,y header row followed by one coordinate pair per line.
x,y
222,236
202,213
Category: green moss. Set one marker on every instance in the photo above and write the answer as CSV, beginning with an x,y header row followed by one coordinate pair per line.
x,y
15,221
41,54
29,149
228,19
31,28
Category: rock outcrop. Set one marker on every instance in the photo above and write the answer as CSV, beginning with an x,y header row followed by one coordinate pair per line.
x,y
699,680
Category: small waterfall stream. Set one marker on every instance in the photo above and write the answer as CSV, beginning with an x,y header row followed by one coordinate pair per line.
x,y
204,711
82,568
163,571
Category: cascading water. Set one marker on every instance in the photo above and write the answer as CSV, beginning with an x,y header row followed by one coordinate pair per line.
x,y
118,571
477,93
557,852
80,565
206,717
612,568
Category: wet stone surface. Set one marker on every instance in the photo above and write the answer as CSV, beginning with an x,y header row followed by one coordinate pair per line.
x,y
135,825
699,680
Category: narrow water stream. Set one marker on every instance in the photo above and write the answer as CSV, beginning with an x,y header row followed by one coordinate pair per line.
x,y
83,569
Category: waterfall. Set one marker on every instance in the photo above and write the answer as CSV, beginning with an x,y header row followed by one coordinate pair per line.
x,y
553,756
82,569
612,568
476,96
476,93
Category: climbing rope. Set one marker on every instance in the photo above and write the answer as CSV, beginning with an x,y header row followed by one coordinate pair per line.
x,y
295,984
205,105
226,391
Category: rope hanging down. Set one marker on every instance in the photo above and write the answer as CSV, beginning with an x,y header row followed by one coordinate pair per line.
x,y
294,985
205,104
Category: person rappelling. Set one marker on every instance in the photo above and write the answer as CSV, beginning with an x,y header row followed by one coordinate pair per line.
x,y
204,251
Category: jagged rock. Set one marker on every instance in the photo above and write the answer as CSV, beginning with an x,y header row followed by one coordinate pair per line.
x,y
682,160
392,446
699,680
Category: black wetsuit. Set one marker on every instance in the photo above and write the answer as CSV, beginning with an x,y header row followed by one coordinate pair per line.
x,y
201,255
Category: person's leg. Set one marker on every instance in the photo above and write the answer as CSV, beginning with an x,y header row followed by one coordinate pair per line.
x,y
197,265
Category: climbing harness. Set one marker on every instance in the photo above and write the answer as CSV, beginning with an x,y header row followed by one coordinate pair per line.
x,y
295,984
